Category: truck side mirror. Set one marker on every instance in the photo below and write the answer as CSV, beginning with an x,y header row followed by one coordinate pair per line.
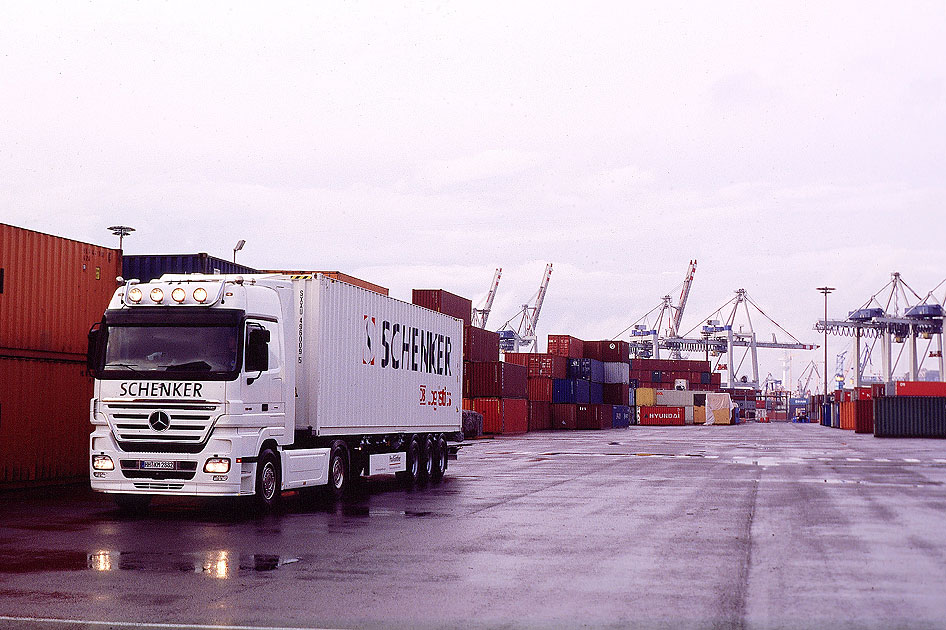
x,y
257,348
96,346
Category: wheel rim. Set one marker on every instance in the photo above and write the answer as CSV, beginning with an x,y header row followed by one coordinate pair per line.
x,y
414,463
338,473
268,481
428,459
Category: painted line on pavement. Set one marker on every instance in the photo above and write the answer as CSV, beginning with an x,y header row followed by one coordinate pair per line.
x,y
141,624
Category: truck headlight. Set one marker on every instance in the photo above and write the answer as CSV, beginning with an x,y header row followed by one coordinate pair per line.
x,y
217,465
102,462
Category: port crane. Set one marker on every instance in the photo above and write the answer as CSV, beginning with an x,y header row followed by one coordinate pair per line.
x,y
523,336
891,322
811,370
480,315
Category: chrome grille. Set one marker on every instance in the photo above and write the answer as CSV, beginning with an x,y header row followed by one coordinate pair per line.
x,y
190,426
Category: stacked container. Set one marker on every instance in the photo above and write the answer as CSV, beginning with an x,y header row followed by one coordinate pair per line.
x,y
664,373
543,370
51,292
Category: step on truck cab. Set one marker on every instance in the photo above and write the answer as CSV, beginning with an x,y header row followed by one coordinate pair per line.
x,y
226,385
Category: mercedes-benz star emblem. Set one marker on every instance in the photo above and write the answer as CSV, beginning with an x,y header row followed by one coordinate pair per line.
x,y
159,421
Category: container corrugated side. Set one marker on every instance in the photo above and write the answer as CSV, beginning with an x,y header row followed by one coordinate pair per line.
x,y
910,416
540,415
147,267
444,302
566,346
564,416
44,420
53,290
334,275
480,345
358,376
616,372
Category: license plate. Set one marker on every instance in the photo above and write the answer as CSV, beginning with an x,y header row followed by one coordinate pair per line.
x,y
147,464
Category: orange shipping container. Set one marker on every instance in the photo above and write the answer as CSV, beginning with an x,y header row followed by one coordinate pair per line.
x,y
44,420
52,290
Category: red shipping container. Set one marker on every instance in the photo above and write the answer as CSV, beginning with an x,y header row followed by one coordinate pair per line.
x,y
594,416
661,416
920,388
44,420
847,396
500,380
591,350
615,351
548,366
444,302
468,404
863,393
864,416
716,379
467,379
564,416
52,290
517,358
540,389
480,345
540,415
877,390
566,346
615,394
508,416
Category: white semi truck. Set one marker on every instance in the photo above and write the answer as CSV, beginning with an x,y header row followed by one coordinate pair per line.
x,y
223,385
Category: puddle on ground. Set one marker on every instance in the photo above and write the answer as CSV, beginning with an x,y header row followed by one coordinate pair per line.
x,y
216,564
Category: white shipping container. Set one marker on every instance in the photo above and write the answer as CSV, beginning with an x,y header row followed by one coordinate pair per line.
x,y
673,398
367,363
617,372
688,414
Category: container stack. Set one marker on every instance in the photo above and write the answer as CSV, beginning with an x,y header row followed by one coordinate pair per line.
x,y
542,371
51,292
666,373
898,409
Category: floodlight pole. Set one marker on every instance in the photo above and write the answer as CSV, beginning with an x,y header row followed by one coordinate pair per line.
x,y
826,290
121,231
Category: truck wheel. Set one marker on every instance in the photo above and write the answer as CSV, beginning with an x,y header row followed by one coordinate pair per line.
x,y
132,503
338,470
410,476
426,462
440,459
268,480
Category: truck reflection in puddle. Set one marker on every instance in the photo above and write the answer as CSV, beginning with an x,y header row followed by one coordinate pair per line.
x,y
217,564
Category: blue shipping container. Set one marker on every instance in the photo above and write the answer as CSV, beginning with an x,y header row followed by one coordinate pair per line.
x,y
147,267
622,417
568,390
587,369
595,393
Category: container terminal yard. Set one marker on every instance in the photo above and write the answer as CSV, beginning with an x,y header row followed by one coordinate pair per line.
x,y
527,480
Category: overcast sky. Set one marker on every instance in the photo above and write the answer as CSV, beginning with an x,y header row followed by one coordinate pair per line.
x,y
782,145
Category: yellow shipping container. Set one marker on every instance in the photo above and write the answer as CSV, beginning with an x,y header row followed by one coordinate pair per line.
x,y
699,415
722,416
646,397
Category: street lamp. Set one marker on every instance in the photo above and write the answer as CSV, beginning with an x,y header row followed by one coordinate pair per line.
x,y
238,247
121,231
826,290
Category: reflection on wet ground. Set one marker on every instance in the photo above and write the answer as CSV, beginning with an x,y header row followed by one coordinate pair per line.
x,y
220,564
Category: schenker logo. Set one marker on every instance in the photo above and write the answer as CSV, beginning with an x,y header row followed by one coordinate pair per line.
x,y
402,347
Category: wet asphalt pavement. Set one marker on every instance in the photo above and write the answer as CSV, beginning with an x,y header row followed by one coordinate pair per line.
x,y
751,526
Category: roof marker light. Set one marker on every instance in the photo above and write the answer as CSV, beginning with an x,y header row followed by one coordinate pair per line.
x,y
157,295
178,295
200,294
135,295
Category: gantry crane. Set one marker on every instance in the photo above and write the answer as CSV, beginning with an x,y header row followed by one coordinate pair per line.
x,y
674,316
480,315
524,337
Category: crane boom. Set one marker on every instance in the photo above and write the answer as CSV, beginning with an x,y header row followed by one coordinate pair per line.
x,y
681,304
480,315
533,321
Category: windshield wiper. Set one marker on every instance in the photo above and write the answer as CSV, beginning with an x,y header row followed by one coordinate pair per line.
x,y
128,366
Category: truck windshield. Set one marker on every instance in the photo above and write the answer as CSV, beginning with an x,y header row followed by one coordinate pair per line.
x,y
202,350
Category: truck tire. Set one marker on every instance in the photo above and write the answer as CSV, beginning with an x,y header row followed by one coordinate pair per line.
x,y
132,503
410,476
268,480
440,459
339,471
426,459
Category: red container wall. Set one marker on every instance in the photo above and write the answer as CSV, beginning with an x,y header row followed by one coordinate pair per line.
x,y
480,345
614,351
595,417
591,350
864,416
44,420
566,346
540,415
848,415
878,390
53,290
920,388
500,380
467,379
444,302
615,394
565,416
863,393
517,358
515,415
548,366
540,389
662,416
489,407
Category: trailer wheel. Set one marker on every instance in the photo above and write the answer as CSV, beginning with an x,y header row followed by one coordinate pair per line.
x,y
339,470
268,480
440,459
426,464
409,476
132,503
